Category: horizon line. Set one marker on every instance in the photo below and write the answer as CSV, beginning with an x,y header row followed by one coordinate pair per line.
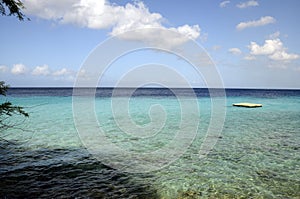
x,y
110,87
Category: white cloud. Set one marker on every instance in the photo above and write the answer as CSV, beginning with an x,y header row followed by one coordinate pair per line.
x,y
249,57
269,47
274,49
274,35
235,51
247,4
3,68
100,14
137,18
18,69
82,73
261,22
44,71
163,37
64,74
41,70
134,16
223,4
203,37
61,72
283,56
96,14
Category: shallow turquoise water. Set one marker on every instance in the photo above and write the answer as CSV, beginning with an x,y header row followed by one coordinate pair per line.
x,y
257,155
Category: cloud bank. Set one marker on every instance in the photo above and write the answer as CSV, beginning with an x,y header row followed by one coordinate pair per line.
x,y
38,71
101,14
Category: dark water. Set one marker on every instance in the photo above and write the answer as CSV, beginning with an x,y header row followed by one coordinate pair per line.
x,y
62,173
161,92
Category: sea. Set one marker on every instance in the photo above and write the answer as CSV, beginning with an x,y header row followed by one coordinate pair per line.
x,y
151,143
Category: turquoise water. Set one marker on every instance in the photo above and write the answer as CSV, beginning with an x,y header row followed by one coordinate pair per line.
x,y
256,156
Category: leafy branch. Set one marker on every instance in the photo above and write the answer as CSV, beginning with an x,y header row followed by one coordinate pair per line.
x,y
7,109
14,7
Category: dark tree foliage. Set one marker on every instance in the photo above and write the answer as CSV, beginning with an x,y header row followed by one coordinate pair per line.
x,y
14,7
7,109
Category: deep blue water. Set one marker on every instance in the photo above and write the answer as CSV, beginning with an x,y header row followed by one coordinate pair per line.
x,y
107,92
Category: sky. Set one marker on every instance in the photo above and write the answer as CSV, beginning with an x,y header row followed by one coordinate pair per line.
x,y
252,43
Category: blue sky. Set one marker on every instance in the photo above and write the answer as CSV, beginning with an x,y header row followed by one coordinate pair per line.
x,y
253,44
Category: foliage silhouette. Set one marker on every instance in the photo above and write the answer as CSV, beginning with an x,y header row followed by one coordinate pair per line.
x,y
7,109
14,7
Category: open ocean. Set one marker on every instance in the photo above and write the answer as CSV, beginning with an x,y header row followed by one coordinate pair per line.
x,y
256,156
